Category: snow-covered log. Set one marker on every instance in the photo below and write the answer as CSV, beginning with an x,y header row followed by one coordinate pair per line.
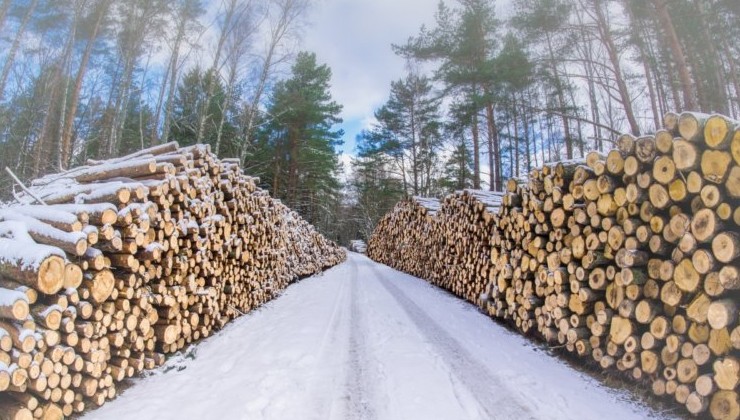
x,y
37,266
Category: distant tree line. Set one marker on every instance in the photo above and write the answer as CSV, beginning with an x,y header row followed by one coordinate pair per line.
x,y
554,80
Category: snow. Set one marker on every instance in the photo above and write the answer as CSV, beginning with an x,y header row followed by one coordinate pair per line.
x,y
18,248
82,208
52,214
52,308
8,297
41,228
362,341
107,189
491,199
431,204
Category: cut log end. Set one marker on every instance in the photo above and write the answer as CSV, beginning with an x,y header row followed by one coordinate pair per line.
x,y
717,132
725,405
51,275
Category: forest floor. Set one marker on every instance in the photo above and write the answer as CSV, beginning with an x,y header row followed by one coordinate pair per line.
x,y
363,341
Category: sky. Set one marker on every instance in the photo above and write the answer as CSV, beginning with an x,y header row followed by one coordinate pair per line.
x,y
354,37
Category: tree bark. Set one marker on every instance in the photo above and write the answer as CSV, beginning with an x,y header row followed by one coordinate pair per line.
x,y
608,41
666,22
215,67
10,59
68,126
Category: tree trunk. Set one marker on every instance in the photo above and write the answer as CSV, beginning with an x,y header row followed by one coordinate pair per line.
x,y
719,101
66,138
293,170
561,101
476,152
287,15
171,94
224,107
666,22
65,64
516,132
542,145
10,59
525,138
121,104
489,144
414,150
215,67
4,7
40,146
255,102
608,41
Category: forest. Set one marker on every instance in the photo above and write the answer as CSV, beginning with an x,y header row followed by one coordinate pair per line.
x,y
491,90
496,89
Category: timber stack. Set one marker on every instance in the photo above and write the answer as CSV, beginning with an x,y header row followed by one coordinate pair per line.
x,y
628,259
107,268
462,231
444,242
411,224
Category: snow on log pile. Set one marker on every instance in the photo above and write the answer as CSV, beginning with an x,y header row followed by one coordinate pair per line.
x,y
131,259
628,259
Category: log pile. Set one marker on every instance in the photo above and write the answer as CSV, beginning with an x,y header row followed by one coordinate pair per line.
x,y
107,268
462,234
628,259
411,223
444,242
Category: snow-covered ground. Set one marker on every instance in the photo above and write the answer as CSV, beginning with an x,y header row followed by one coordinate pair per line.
x,y
362,341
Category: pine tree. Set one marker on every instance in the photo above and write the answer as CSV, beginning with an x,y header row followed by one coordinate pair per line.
x,y
188,105
464,42
458,169
544,22
304,166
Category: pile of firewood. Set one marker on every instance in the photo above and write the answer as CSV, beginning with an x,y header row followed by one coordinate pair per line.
x,y
106,268
410,224
444,242
629,259
462,233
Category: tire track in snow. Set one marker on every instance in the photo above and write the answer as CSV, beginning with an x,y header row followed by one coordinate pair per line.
x,y
491,394
331,339
359,386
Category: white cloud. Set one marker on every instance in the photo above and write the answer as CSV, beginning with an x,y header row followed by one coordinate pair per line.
x,y
354,38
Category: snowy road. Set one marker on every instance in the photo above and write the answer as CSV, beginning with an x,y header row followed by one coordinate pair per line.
x,y
363,341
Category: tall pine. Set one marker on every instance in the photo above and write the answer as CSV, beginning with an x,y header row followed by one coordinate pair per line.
x,y
300,163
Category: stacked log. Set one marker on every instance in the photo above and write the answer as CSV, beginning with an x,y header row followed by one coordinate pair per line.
x,y
107,268
445,242
410,223
463,229
628,259
529,246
